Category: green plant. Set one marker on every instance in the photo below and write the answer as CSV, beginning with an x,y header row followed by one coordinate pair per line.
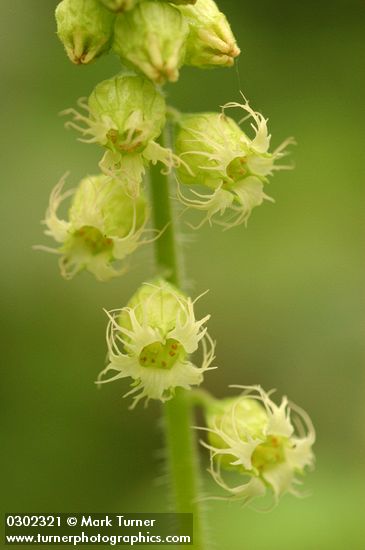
x,y
151,340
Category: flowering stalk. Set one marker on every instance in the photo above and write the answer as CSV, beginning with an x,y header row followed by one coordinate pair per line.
x,y
181,450
224,169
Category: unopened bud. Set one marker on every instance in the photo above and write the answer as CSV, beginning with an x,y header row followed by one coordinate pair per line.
x,y
85,28
151,39
211,41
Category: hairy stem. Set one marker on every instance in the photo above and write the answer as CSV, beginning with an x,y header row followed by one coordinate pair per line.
x,y
181,449
165,245
183,461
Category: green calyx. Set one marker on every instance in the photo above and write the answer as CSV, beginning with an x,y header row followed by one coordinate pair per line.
x,y
211,42
127,113
212,147
217,151
161,356
85,28
104,226
243,418
151,39
219,155
105,202
157,305
250,414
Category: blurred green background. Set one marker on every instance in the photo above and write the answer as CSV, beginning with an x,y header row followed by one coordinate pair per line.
x,y
286,298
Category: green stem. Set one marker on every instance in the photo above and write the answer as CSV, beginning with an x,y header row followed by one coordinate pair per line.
x,y
183,461
181,447
165,245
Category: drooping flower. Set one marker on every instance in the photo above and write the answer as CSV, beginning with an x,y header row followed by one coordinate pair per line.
x,y
150,340
104,226
85,28
210,42
151,39
221,157
268,445
125,115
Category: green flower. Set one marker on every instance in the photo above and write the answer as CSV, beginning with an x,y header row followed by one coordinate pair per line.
x,y
104,226
211,42
126,112
268,445
85,28
151,39
125,115
220,156
150,341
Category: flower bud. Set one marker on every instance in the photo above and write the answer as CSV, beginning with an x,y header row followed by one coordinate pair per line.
x,y
269,445
151,39
85,28
220,156
211,41
104,226
150,341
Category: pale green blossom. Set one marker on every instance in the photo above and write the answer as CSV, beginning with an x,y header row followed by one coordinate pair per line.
x,y
268,445
222,158
104,226
125,115
150,340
